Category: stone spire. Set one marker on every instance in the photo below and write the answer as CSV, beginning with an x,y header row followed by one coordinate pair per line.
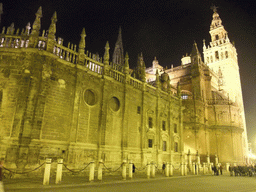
x,y
126,64
37,23
204,46
82,42
118,55
141,73
106,54
52,28
195,55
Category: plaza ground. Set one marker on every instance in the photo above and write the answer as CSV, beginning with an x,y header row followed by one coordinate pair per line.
x,y
189,183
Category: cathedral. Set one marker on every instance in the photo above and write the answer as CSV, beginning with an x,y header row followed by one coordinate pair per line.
x,y
61,101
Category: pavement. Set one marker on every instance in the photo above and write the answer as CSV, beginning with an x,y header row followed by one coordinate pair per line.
x,y
78,181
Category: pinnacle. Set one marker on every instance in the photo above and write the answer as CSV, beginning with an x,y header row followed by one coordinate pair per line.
x,y
54,16
83,32
39,12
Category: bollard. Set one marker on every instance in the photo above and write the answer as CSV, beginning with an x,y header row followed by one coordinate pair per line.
x,y
91,174
100,170
124,170
167,169
186,169
190,162
153,170
59,171
193,168
148,170
208,159
47,171
204,168
197,168
182,169
227,166
130,169
216,160
171,169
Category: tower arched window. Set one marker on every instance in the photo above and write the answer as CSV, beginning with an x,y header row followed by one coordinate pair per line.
x,y
226,54
216,55
216,37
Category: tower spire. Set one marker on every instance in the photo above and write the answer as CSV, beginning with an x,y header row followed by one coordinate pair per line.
x,y
82,42
52,28
118,55
37,23
126,64
106,54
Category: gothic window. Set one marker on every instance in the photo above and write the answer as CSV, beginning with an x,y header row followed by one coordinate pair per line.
x,y
150,143
216,55
138,109
89,97
216,37
114,104
175,128
226,54
176,147
150,122
164,146
163,125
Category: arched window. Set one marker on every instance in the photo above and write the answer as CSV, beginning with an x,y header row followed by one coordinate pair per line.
x,y
216,37
150,122
164,146
216,55
226,54
176,147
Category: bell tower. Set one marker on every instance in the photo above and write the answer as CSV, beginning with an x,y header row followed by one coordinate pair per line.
x,y
221,55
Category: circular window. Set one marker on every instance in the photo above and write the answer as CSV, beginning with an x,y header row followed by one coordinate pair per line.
x,y
114,104
89,97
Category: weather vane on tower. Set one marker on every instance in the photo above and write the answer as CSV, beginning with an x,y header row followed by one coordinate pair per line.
x,y
214,8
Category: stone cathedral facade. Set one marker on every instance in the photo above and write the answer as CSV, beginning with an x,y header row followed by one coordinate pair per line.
x,y
62,101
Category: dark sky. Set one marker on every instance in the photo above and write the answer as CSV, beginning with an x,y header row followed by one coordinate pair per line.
x,y
165,29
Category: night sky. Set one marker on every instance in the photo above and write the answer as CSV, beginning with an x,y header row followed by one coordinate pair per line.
x,y
165,29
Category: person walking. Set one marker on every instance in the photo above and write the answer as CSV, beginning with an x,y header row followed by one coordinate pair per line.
x,y
1,177
163,168
133,168
230,170
221,169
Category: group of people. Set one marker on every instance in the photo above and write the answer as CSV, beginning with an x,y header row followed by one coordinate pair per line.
x,y
217,169
242,170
